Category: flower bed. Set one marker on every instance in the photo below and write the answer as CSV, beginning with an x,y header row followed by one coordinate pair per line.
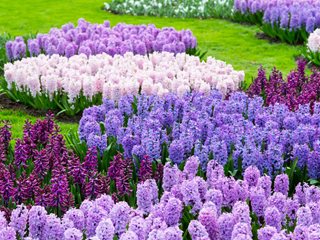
x,y
312,51
238,132
40,170
72,84
298,89
92,39
192,207
283,20
173,8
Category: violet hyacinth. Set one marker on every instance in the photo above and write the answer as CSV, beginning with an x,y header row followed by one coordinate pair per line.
x,y
92,39
266,138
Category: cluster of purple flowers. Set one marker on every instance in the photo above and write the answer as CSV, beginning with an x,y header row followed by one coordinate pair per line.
x,y
41,170
215,208
288,20
298,89
92,39
239,128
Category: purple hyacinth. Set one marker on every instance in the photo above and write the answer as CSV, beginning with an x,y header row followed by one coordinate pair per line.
x,y
105,229
251,176
281,184
19,220
37,221
272,217
266,232
197,231
172,211
226,223
120,217
209,219
53,228
73,234
76,216
138,226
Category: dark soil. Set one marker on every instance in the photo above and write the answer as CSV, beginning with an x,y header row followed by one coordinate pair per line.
x,y
261,35
6,103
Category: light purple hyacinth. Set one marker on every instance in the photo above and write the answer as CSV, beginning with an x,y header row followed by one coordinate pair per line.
x,y
191,167
53,228
19,220
77,217
251,176
226,223
92,39
281,184
197,231
105,229
241,229
209,219
241,212
172,211
37,221
139,226
7,233
173,233
272,217
95,215
73,234
266,232
147,195
129,235
120,216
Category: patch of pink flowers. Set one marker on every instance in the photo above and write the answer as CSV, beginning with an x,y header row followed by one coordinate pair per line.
x,y
158,73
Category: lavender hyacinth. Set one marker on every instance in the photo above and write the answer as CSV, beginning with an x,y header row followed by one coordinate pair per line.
x,y
92,39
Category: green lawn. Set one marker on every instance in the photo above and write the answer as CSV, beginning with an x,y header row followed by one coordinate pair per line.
x,y
231,42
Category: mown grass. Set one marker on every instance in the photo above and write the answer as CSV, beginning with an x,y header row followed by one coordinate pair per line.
x,y
231,42
17,119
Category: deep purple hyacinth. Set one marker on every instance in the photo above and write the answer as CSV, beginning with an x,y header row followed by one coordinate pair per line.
x,y
299,89
120,171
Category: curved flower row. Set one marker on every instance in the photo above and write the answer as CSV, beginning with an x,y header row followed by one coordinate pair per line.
x,y
215,208
238,131
157,73
92,39
173,8
288,20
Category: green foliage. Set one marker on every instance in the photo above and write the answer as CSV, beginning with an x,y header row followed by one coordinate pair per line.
x,y
249,18
312,57
3,58
285,35
59,101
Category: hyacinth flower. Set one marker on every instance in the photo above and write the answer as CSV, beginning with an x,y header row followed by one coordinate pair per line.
x,y
41,170
250,212
281,20
298,89
92,39
237,132
86,80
